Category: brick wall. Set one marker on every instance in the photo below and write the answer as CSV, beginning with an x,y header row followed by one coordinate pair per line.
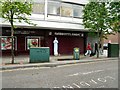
x,y
113,38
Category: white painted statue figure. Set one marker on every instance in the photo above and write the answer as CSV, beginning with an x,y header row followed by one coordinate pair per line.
x,y
55,46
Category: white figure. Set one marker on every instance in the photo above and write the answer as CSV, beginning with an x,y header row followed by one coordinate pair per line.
x,y
55,46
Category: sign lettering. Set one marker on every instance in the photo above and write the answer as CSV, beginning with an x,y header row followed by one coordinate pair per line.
x,y
66,34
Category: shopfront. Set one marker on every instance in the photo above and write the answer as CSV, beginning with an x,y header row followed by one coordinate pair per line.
x,y
23,40
26,38
67,41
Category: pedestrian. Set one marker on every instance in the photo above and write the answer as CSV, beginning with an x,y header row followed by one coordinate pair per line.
x,y
88,48
93,50
96,48
101,50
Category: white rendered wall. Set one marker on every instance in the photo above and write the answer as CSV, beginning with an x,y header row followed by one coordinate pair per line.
x,y
48,24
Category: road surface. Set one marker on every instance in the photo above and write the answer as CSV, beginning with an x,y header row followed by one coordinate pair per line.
x,y
101,74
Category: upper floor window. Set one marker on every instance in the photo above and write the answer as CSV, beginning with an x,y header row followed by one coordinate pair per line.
x,y
77,11
54,8
38,8
66,10
58,8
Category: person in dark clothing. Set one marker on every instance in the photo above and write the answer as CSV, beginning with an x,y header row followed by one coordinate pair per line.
x,y
96,47
100,48
93,50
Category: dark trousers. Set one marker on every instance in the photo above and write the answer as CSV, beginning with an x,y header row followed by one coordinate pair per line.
x,y
96,51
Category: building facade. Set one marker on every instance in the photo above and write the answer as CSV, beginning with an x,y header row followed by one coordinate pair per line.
x,y
113,39
54,18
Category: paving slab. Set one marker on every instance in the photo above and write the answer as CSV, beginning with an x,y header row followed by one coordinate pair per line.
x,y
54,63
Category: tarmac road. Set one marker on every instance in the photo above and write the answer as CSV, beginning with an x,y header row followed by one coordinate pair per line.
x,y
102,74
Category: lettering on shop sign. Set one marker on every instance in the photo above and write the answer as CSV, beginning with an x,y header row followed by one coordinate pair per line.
x,y
24,32
91,83
66,34
21,32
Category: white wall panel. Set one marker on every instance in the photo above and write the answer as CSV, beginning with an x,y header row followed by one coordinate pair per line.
x,y
49,24
77,20
36,17
53,18
66,19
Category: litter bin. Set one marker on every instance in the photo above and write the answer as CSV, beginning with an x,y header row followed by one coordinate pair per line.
x,y
39,54
113,50
76,53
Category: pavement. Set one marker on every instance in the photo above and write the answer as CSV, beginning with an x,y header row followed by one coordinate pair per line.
x,y
22,61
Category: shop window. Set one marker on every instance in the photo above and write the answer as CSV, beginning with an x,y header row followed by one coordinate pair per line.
x,y
6,43
66,10
32,42
53,8
38,8
77,11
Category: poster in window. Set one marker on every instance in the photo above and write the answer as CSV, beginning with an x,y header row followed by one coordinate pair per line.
x,y
32,43
6,43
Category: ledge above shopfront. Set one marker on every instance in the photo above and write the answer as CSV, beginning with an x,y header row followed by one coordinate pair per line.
x,y
48,25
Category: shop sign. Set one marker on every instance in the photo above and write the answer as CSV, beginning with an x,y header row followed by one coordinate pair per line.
x,y
21,31
24,32
66,34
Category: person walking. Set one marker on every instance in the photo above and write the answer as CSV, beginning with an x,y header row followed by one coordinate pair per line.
x,y
96,48
100,49
88,49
